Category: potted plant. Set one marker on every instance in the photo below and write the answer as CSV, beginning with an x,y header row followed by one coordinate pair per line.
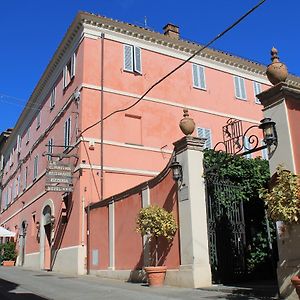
x,y
283,204
155,222
8,254
283,198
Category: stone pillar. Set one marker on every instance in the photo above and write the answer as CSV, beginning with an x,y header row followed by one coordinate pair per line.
x,y
194,251
282,104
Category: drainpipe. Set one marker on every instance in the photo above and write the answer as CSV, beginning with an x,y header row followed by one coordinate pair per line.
x,y
101,116
88,241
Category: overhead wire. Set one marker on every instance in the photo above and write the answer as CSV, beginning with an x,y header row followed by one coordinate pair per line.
x,y
178,67
22,103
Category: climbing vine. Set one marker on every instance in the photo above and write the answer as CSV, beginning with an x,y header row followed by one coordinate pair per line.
x,y
249,176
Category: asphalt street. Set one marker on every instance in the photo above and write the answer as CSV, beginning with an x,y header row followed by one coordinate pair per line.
x,y
19,283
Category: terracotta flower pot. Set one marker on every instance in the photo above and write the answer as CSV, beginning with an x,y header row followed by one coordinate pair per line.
x,y
296,283
8,263
156,275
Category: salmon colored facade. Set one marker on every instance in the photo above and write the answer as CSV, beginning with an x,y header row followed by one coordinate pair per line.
x,y
110,64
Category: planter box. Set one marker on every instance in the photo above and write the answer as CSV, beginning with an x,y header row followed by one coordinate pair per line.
x,y
8,263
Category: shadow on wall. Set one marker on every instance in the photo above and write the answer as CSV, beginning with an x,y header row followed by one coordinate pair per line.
x,y
61,227
8,290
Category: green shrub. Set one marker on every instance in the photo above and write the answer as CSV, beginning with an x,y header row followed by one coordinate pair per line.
x,y
8,251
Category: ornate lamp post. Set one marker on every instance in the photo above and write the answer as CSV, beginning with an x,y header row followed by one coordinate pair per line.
x,y
269,131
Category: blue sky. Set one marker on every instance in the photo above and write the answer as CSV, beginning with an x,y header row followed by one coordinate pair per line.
x,y
31,30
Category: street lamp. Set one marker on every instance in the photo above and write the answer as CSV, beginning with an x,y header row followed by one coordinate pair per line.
x,y
176,170
269,131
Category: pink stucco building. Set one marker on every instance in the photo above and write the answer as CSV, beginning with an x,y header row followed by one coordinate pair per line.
x,y
102,66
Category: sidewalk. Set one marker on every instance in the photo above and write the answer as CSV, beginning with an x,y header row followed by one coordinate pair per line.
x,y
19,283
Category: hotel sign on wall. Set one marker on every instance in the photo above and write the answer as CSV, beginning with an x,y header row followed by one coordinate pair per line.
x,y
59,177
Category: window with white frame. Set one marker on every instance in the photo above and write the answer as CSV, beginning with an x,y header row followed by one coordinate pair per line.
x,y
132,59
52,98
69,71
205,133
38,120
239,88
199,77
67,133
35,167
257,90
50,149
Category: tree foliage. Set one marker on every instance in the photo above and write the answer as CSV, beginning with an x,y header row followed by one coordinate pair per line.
x,y
155,221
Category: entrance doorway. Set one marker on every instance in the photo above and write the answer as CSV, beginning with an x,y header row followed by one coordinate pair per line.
x,y
47,237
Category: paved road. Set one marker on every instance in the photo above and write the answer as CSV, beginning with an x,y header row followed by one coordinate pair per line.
x,y
21,284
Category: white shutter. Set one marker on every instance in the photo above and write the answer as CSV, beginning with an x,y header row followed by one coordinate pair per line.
x,y
35,166
28,135
205,133
128,58
18,144
208,143
196,80
73,65
65,76
137,60
257,90
19,185
202,77
243,88
25,178
247,146
65,135
237,87
52,98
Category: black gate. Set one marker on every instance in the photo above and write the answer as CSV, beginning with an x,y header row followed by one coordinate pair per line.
x,y
226,229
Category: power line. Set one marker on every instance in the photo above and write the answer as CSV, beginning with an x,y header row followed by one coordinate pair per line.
x,y
18,102
179,66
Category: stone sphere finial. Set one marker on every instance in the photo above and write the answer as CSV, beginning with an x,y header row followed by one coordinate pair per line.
x,y
276,71
187,124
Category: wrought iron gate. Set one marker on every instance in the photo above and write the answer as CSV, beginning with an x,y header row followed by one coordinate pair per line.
x,y
226,229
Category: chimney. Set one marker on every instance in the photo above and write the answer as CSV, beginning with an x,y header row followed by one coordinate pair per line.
x,y
171,31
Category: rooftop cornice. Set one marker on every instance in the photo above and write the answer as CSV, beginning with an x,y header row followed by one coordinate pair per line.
x,y
140,33
181,45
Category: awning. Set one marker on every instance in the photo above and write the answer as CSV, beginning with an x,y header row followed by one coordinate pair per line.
x,y
6,233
